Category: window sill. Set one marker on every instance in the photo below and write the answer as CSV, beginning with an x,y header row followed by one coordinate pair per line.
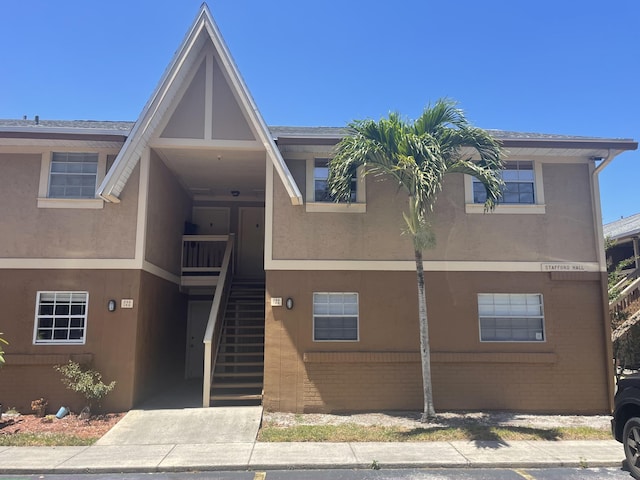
x,y
507,209
94,203
336,207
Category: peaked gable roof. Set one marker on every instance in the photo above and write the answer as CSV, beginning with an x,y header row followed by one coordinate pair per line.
x,y
203,29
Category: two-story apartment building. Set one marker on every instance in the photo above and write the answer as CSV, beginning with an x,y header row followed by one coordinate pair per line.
x,y
198,242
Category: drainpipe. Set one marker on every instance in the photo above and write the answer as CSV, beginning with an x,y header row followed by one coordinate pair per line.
x,y
602,263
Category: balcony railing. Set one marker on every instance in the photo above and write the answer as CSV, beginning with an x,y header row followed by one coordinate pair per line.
x,y
202,257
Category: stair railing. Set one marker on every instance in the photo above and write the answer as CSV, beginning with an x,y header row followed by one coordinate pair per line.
x,y
626,301
628,295
213,331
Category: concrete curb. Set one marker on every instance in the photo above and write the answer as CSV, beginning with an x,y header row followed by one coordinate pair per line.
x,y
312,456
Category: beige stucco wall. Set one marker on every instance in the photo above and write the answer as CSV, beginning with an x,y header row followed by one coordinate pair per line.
x,y
110,337
31,232
187,120
564,233
227,120
168,208
382,369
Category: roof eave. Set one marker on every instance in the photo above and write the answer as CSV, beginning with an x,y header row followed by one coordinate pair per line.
x,y
579,144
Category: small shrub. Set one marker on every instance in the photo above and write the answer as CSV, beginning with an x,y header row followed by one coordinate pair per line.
x,y
87,382
39,406
2,340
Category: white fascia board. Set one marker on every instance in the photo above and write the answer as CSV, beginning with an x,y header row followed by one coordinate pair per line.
x,y
252,110
117,176
141,132
67,130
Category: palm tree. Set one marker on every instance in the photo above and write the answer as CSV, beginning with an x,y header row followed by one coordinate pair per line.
x,y
417,155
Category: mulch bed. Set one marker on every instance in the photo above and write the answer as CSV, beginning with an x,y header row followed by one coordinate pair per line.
x,y
72,424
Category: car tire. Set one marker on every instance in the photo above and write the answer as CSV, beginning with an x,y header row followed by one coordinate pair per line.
x,y
631,443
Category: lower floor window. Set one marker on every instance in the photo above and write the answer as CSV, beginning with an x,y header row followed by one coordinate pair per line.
x,y
511,317
335,316
61,317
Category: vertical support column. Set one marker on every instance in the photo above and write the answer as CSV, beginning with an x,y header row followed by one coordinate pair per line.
x,y
206,380
636,252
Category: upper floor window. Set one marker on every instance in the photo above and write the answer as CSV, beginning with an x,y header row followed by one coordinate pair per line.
x,y
335,316
519,179
511,317
321,182
523,191
73,175
61,317
318,196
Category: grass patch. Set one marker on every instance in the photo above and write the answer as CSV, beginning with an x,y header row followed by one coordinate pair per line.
x,y
350,432
44,440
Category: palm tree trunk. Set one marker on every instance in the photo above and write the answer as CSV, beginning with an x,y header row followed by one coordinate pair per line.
x,y
429,412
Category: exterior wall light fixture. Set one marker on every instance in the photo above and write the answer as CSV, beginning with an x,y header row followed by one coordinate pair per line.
x,y
111,305
289,303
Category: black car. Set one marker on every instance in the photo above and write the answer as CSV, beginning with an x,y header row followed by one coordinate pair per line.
x,y
625,424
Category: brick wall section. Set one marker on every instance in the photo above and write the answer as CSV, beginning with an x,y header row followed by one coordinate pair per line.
x,y
567,373
391,381
28,373
330,387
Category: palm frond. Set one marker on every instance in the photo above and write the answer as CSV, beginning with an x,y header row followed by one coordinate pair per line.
x,y
417,155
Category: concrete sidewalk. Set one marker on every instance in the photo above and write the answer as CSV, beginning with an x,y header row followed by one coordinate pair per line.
x,y
276,456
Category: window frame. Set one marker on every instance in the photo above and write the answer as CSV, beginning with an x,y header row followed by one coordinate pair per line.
x,y
311,205
44,201
512,316
314,315
38,316
538,207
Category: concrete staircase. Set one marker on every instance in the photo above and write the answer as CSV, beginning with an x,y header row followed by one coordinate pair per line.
x,y
239,368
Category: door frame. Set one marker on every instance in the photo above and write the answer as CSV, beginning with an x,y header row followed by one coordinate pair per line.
x,y
241,233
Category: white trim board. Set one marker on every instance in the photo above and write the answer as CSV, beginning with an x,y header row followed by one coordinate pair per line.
x,y
86,264
432,266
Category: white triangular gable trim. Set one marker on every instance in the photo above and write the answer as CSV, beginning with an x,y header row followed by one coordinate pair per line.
x,y
157,106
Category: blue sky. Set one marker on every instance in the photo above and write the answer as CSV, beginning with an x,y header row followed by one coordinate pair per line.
x,y
543,66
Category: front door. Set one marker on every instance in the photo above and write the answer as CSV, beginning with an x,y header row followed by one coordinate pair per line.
x,y
197,318
251,242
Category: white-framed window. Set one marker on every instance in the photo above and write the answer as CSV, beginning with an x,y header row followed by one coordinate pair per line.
x,y
321,182
519,185
511,317
61,317
68,179
523,191
335,317
73,175
318,198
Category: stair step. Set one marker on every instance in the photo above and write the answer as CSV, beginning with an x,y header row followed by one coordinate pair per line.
x,y
243,335
230,353
249,313
245,325
239,370
235,396
237,385
239,364
238,374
